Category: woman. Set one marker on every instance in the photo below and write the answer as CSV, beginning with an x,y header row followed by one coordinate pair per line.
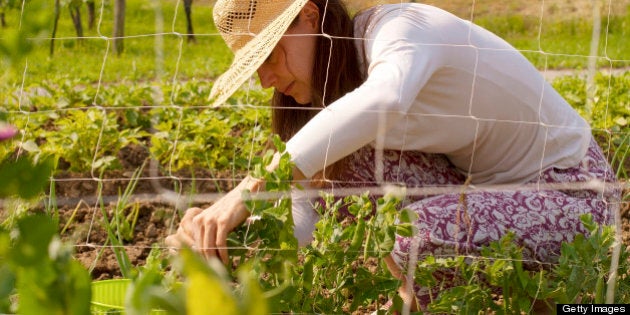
x,y
434,100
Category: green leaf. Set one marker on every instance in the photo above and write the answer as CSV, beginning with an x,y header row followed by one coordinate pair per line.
x,y
7,287
23,178
147,292
406,230
103,162
49,281
76,284
408,216
34,236
252,301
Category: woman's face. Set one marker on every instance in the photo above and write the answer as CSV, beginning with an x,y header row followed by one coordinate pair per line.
x,y
289,68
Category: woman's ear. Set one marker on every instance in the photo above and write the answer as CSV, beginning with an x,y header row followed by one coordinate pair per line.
x,y
310,16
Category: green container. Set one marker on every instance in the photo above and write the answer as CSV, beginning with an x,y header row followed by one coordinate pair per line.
x,y
108,297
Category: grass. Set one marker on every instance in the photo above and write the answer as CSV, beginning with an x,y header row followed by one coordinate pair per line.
x,y
564,44
558,31
152,49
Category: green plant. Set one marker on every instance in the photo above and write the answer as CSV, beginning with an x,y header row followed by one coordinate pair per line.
x,y
335,265
90,139
468,294
580,275
24,177
125,214
344,262
156,287
21,39
193,286
120,227
203,276
273,275
37,272
584,267
268,237
188,137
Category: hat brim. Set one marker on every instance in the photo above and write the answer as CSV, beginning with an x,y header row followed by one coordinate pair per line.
x,y
251,56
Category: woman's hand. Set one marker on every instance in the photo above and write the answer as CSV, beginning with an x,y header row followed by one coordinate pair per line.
x,y
206,230
183,236
211,227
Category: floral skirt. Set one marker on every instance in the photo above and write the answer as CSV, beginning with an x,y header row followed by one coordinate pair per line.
x,y
461,223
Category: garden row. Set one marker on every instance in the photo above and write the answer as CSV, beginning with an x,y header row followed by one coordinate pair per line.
x,y
85,126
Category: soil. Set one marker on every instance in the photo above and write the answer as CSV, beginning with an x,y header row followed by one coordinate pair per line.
x,y
92,250
81,214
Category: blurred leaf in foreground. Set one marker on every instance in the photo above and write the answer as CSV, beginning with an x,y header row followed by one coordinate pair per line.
x,y
23,178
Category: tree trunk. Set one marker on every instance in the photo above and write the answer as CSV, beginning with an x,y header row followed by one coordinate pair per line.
x,y
54,30
188,10
75,13
91,9
119,26
3,22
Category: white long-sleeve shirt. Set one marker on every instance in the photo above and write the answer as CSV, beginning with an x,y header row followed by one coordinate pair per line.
x,y
440,84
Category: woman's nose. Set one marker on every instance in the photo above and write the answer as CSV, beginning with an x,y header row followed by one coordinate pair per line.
x,y
267,77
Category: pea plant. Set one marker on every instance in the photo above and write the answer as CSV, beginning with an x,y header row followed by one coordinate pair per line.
x,y
341,271
580,276
274,273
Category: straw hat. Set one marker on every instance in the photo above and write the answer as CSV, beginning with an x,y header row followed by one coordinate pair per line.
x,y
251,28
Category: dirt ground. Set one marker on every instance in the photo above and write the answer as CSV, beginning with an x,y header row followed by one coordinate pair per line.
x,y
81,214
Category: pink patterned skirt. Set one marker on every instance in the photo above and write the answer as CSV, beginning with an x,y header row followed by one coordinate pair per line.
x,y
455,224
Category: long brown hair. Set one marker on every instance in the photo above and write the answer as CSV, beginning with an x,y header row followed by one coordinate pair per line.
x,y
336,52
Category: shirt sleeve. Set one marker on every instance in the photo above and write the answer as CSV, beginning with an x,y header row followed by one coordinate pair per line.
x,y
399,66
